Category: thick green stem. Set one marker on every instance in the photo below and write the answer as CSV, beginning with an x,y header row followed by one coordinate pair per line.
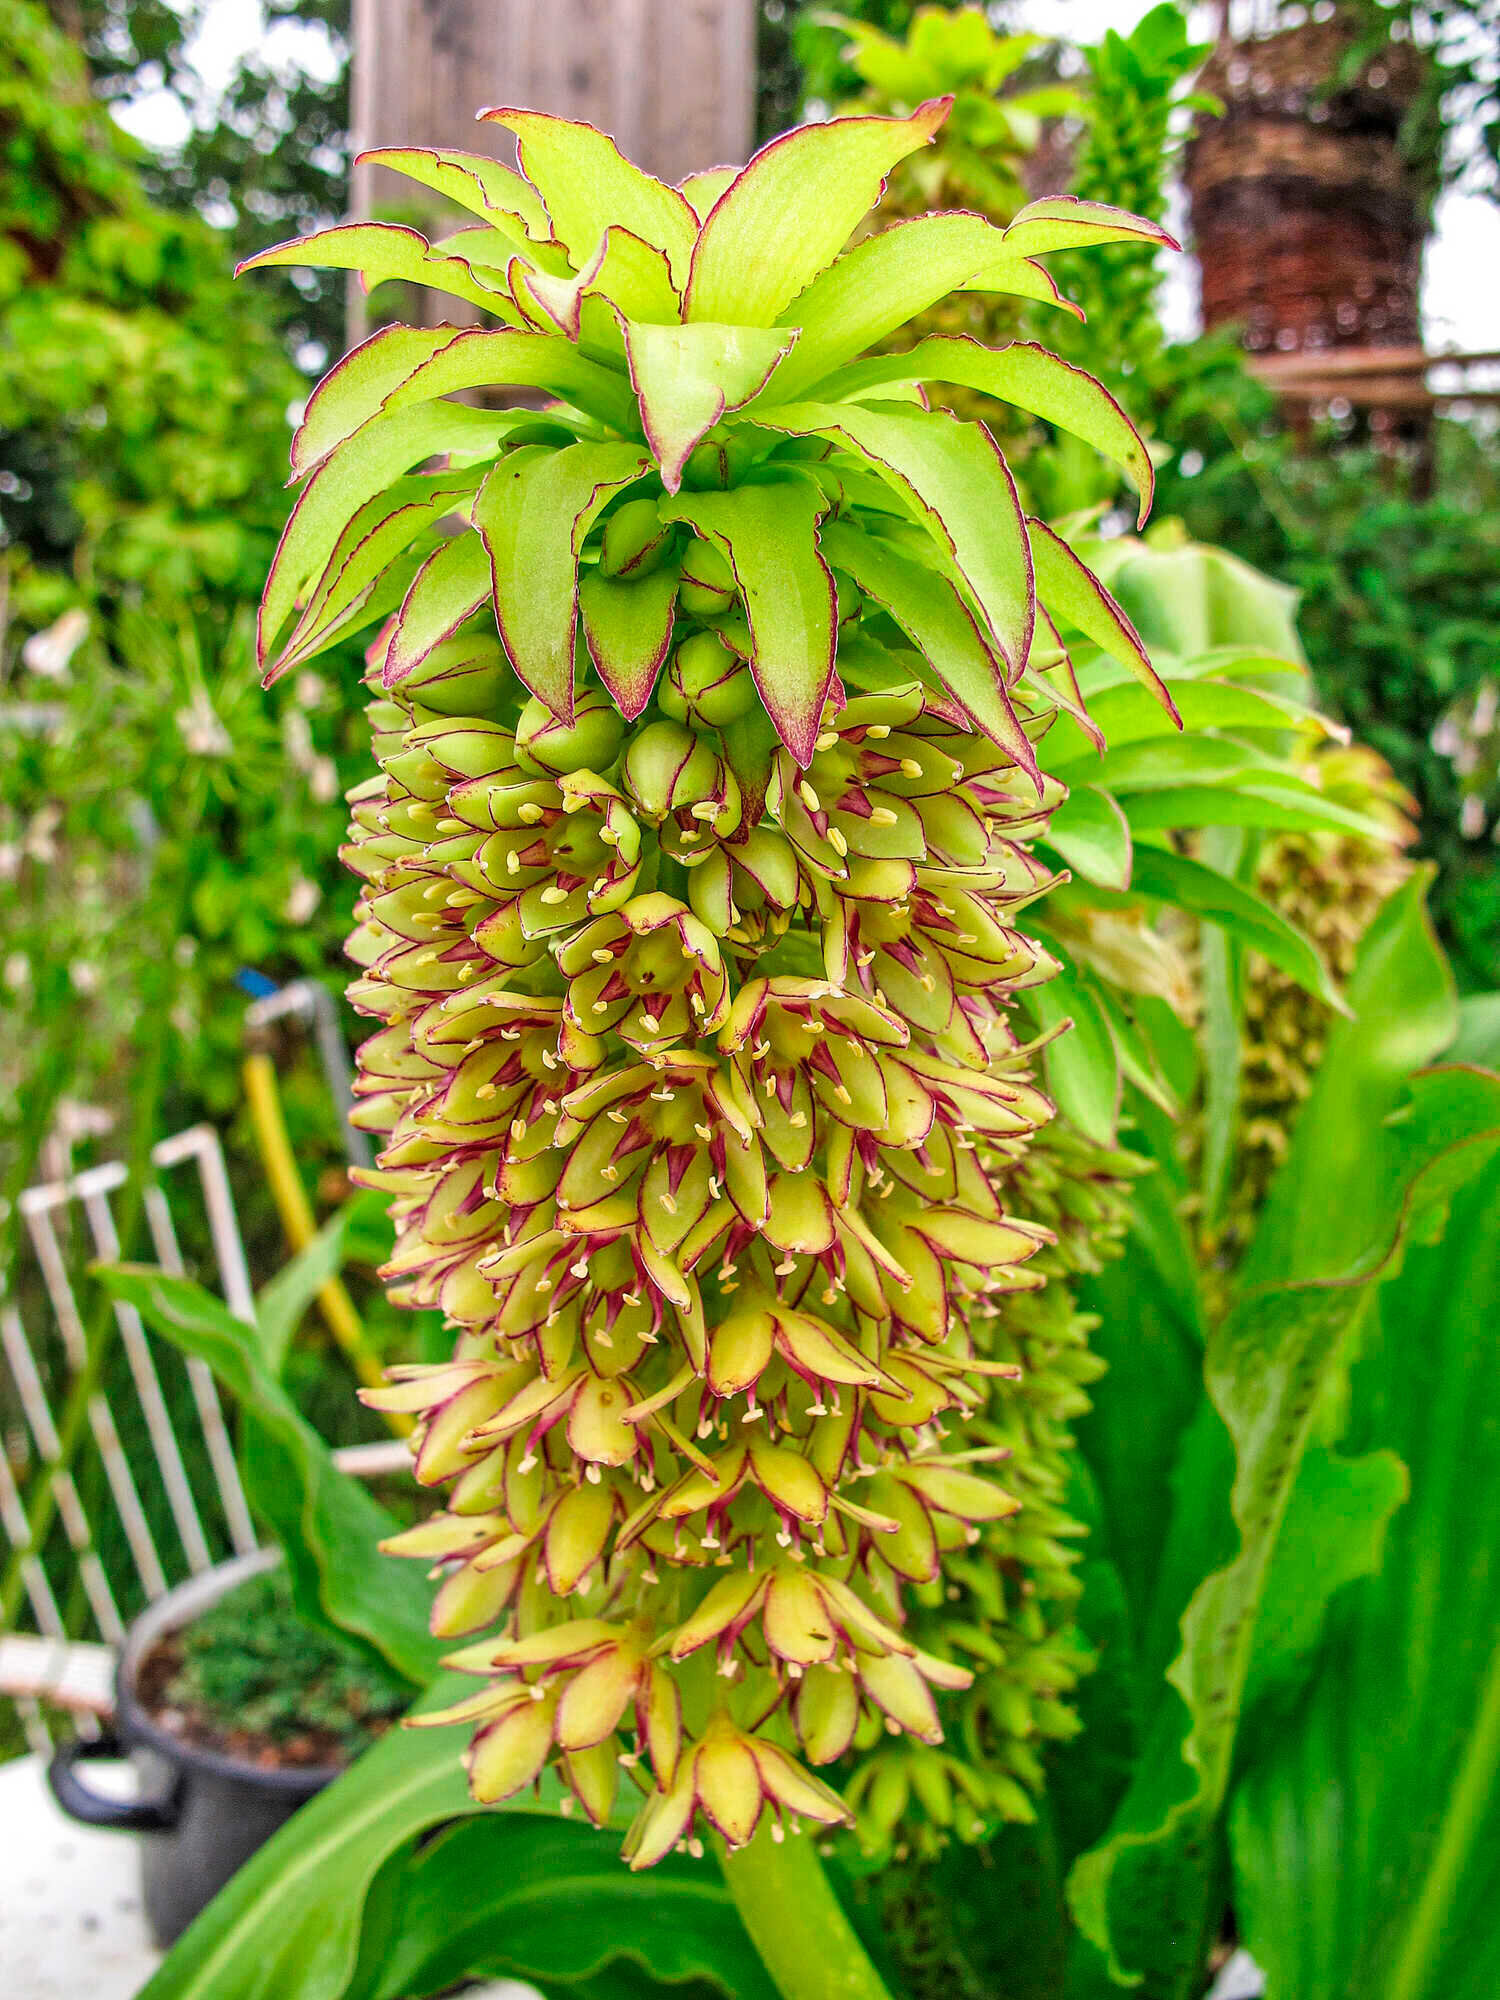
x,y
795,1922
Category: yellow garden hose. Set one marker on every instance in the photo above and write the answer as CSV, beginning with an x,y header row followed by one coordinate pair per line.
x,y
263,1096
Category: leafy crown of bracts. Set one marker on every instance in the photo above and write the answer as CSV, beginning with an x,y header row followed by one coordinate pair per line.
x,y
703,350
696,1076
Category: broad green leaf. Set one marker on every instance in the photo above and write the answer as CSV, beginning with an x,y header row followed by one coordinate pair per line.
x,y
1278,799
769,536
356,387
1146,1894
1333,1533
475,181
1159,762
1221,1033
1151,1329
587,184
382,530
687,377
445,593
1478,1039
1190,600
283,1302
1245,915
792,209
1082,1071
326,1522
503,358
876,287
1366,1840
534,515
1403,1017
628,626
625,273
380,252
351,476
1027,377
931,610
957,484
1092,835
1129,714
483,1900
703,190
1063,222
287,1926
1075,596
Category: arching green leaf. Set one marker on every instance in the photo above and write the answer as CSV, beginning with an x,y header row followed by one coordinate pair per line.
x,y
353,474
533,513
476,181
587,184
769,535
1075,596
956,482
381,251
931,610
793,208
382,530
448,589
1064,222
1029,378
686,377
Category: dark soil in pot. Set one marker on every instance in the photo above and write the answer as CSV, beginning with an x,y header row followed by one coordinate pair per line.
x,y
250,1681
234,1714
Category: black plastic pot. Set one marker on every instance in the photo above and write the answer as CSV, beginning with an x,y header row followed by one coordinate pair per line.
x,y
200,1814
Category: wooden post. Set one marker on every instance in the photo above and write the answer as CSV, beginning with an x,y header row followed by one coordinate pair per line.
x,y
672,81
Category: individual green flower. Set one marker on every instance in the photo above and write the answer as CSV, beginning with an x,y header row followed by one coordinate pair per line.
x,y
692,913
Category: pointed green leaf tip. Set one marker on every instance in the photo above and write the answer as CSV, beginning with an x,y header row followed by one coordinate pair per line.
x,y
704,351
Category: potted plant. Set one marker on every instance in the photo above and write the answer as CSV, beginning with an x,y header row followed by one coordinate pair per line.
x,y
234,1711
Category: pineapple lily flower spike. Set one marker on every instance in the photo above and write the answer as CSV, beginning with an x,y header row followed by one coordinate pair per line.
x,y
708,682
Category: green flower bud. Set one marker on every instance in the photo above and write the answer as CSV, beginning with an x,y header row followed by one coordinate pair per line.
x,y
469,675
590,742
708,585
713,682
634,539
667,767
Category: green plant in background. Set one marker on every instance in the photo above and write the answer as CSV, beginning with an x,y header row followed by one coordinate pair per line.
x,y
143,401
251,1664
975,162
1399,606
1134,112
144,405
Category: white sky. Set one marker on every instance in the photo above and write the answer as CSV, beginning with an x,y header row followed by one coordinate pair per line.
x,y
1461,288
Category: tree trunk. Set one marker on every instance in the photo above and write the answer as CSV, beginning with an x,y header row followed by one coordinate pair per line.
x,y
673,81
